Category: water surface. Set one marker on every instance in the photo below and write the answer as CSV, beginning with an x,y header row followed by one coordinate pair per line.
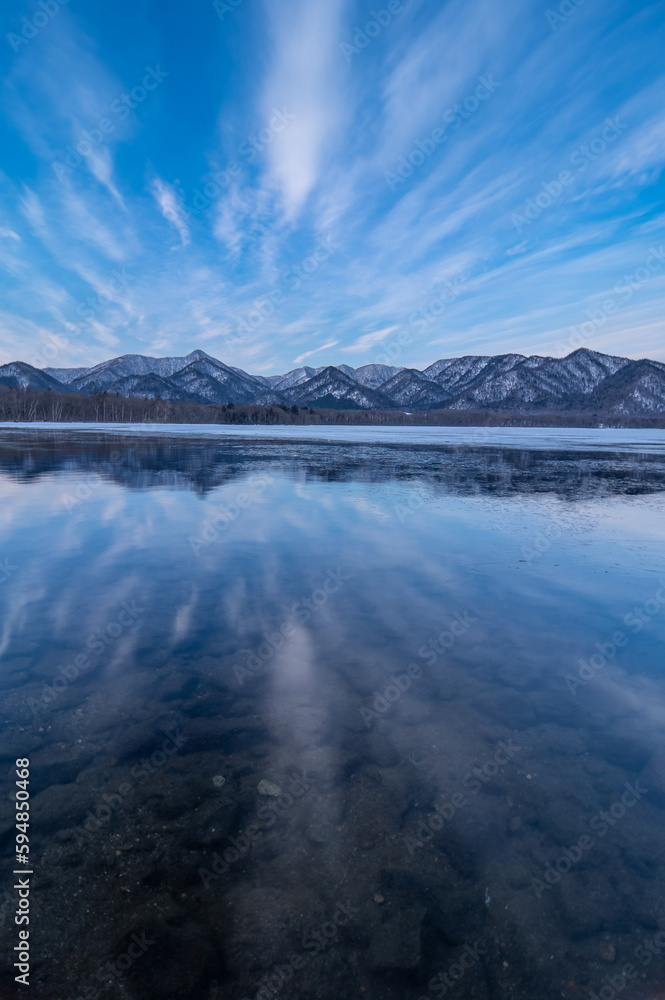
x,y
444,661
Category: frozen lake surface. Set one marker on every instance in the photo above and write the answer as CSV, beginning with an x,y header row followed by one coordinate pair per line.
x,y
543,438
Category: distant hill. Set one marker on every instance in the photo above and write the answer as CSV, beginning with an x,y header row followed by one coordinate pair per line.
x,y
584,382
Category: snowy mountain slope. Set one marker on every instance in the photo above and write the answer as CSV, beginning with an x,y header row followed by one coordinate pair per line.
x,y
334,388
17,373
410,388
149,387
374,376
104,374
456,373
216,383
579,372
637,387
583,381
65,375
295,377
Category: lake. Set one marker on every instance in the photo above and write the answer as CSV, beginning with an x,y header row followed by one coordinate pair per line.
x,y
335,713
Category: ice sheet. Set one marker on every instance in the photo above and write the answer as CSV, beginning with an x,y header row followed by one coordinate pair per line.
x,y
541,438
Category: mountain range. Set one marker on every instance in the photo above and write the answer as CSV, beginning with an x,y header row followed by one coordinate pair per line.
x,y
584,381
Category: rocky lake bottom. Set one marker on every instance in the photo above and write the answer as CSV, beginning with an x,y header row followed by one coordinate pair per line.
x,y
333,720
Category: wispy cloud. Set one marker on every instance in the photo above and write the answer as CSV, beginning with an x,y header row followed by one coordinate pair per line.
x,y
101,166
368,340
305,79
33,211
167,199
249,254
317,350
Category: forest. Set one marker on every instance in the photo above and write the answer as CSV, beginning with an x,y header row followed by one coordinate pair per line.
x,y
32,405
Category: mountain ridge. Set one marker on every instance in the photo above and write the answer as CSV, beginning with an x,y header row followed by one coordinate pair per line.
x,y
582,381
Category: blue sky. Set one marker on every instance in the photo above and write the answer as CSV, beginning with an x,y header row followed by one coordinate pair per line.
x,y
281,182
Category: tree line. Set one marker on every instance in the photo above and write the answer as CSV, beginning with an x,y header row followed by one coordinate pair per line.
x,y
35,405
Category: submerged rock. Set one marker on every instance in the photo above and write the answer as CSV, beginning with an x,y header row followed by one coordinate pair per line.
x,y
268,788
219,781
608,953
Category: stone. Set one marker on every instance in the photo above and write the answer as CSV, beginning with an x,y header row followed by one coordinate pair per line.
x,y
317,834
268,788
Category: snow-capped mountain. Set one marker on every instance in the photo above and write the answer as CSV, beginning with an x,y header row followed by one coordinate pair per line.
x,y
333,388
135,364
292,378
16,373
583,382
411,388
636,387
372,376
